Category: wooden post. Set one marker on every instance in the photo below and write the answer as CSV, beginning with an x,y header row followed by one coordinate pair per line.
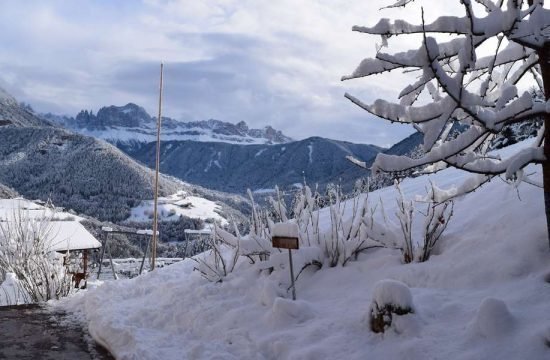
x,y
102,254
292,274
144,256
155,206
85,260
112,264
287,242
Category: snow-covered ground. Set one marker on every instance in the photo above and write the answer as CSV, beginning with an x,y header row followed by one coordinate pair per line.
x,y
170,208
484,294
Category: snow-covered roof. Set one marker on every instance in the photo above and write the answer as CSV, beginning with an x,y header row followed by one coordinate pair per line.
x,y
22,208
63,229
71,235
18,203
59,235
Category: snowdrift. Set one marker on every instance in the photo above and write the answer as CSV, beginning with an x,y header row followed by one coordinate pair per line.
x,y
484,294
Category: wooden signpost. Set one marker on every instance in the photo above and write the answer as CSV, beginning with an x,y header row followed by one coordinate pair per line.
x,y
285,236
282,242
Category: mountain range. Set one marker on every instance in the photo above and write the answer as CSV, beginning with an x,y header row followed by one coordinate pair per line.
x,y
220,155
78,172
236,168
131,122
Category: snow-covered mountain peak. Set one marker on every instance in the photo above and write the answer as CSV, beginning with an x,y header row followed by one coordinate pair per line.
x,y
131,122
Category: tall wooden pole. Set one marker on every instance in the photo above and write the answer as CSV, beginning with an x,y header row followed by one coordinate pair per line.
x,y
155,201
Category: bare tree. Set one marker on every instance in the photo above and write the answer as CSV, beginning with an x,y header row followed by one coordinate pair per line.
x,y
25,251
482,93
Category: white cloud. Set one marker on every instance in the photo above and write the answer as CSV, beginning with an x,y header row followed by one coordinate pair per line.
x,y
265,62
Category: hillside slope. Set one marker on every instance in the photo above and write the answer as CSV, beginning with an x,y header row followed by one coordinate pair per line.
x,y
484,294
75,171
236,168
6,192
12,113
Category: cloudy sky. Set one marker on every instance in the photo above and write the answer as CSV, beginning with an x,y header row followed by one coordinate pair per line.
x,y
261,61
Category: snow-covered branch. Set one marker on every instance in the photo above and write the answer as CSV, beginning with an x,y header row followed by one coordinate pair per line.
x,y
483,95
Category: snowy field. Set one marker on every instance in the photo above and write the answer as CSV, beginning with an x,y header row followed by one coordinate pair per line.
x,y
485,294
170,208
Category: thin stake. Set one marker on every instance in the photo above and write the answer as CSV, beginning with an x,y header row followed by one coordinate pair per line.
x,y
155,208
144,255
102,254
292,274
112,264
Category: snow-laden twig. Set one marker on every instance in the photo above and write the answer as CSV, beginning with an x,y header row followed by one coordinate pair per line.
x,y
479,93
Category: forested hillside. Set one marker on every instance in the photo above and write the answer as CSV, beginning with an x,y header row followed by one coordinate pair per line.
x,y
75,171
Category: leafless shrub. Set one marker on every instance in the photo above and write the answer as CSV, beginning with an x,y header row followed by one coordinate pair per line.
x,y
25,250
436,219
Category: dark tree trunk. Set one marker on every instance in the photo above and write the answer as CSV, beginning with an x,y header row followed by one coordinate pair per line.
x,y
544,61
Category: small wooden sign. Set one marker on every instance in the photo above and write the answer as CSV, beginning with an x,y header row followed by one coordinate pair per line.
x,y
282,242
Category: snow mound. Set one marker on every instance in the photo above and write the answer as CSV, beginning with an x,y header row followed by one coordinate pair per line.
x,y
493,318
269,293
285,312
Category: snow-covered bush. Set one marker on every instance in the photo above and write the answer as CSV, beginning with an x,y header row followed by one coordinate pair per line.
x,y
436,219
25,252
346,236
390,298
349,229
221,259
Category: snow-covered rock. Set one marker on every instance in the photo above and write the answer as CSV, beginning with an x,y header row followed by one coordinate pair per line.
x,y
391,298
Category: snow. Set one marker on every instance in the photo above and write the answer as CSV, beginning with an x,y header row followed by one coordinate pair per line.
x,y
286,229
482,295
260,152
59,235
493,319
70,235
11,293
13,158
391,292
63,229
12,208
142,134
264,191
146,232
170,208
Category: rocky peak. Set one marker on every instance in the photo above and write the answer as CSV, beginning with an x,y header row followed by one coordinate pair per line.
x,y
132,122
